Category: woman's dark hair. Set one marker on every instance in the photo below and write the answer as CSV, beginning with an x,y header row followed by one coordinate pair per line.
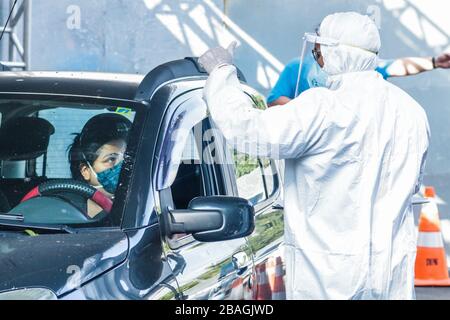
x,y
98,131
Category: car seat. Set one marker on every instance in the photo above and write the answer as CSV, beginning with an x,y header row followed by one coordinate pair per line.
x,y
22,138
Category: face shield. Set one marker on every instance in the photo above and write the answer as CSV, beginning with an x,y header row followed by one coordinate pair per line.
x,y
310,73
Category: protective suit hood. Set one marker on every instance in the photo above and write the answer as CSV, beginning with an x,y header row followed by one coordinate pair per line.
x,y
359,43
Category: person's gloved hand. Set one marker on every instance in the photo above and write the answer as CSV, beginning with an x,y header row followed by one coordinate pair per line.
x,y
442,61
217,56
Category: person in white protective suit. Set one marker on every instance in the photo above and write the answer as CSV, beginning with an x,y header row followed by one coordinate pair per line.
x,y
354,156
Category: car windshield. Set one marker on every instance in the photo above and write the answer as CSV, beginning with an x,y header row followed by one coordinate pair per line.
x,y
61,162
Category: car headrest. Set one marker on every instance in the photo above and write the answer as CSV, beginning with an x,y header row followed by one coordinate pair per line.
x,y
24,138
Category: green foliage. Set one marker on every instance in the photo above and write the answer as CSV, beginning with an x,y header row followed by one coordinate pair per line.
x,y
170,295
269,228
214,270
259,102
244,164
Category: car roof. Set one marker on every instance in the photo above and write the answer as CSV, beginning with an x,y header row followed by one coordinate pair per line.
x,y
95,84
105,85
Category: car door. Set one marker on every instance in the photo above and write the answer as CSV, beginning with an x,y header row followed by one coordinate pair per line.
x,y
259,181
191,167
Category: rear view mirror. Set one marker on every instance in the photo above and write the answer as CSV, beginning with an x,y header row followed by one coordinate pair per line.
x,y
215,218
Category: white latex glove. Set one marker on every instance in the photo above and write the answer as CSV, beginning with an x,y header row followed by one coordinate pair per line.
x,y
217,56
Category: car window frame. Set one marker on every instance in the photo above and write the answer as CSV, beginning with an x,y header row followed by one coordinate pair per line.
x,y
214,175
277,185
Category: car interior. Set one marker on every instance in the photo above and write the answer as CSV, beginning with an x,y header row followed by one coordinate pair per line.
x,y
34,140
188,185
34,143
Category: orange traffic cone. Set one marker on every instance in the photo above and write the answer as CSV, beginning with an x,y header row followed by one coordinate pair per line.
x,y
276,279
431,261
262,287
270,271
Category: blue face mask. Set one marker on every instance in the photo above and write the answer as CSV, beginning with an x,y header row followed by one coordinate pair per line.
x,y
317,77
109,178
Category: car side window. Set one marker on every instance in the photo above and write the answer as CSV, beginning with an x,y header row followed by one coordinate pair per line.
x,y
67,123
191,181
188,183
255,177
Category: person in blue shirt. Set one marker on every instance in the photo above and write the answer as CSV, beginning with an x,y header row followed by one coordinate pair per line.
x,y
312,76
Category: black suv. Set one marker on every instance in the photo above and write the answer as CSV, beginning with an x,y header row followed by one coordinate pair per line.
x,y
191,218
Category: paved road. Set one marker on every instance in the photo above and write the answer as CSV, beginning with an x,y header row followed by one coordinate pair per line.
x,y
434,293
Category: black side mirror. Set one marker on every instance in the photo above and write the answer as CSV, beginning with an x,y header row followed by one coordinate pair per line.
x,y
209,219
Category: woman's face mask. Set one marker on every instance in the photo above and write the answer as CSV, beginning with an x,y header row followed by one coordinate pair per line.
x,y
109,178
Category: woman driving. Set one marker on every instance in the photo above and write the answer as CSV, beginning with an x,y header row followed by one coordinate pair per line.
x,y
96,155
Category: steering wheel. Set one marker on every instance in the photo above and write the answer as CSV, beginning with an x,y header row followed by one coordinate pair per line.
x,y
69,185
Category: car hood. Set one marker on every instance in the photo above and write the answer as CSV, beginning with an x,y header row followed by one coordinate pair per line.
x,y
60,262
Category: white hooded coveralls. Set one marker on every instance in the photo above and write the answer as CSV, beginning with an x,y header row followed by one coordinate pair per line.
x,y
354,156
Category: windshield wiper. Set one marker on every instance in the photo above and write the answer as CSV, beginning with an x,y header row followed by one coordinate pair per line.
x,y
10,223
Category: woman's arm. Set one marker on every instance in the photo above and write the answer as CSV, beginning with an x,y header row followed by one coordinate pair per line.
x,y
409,66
